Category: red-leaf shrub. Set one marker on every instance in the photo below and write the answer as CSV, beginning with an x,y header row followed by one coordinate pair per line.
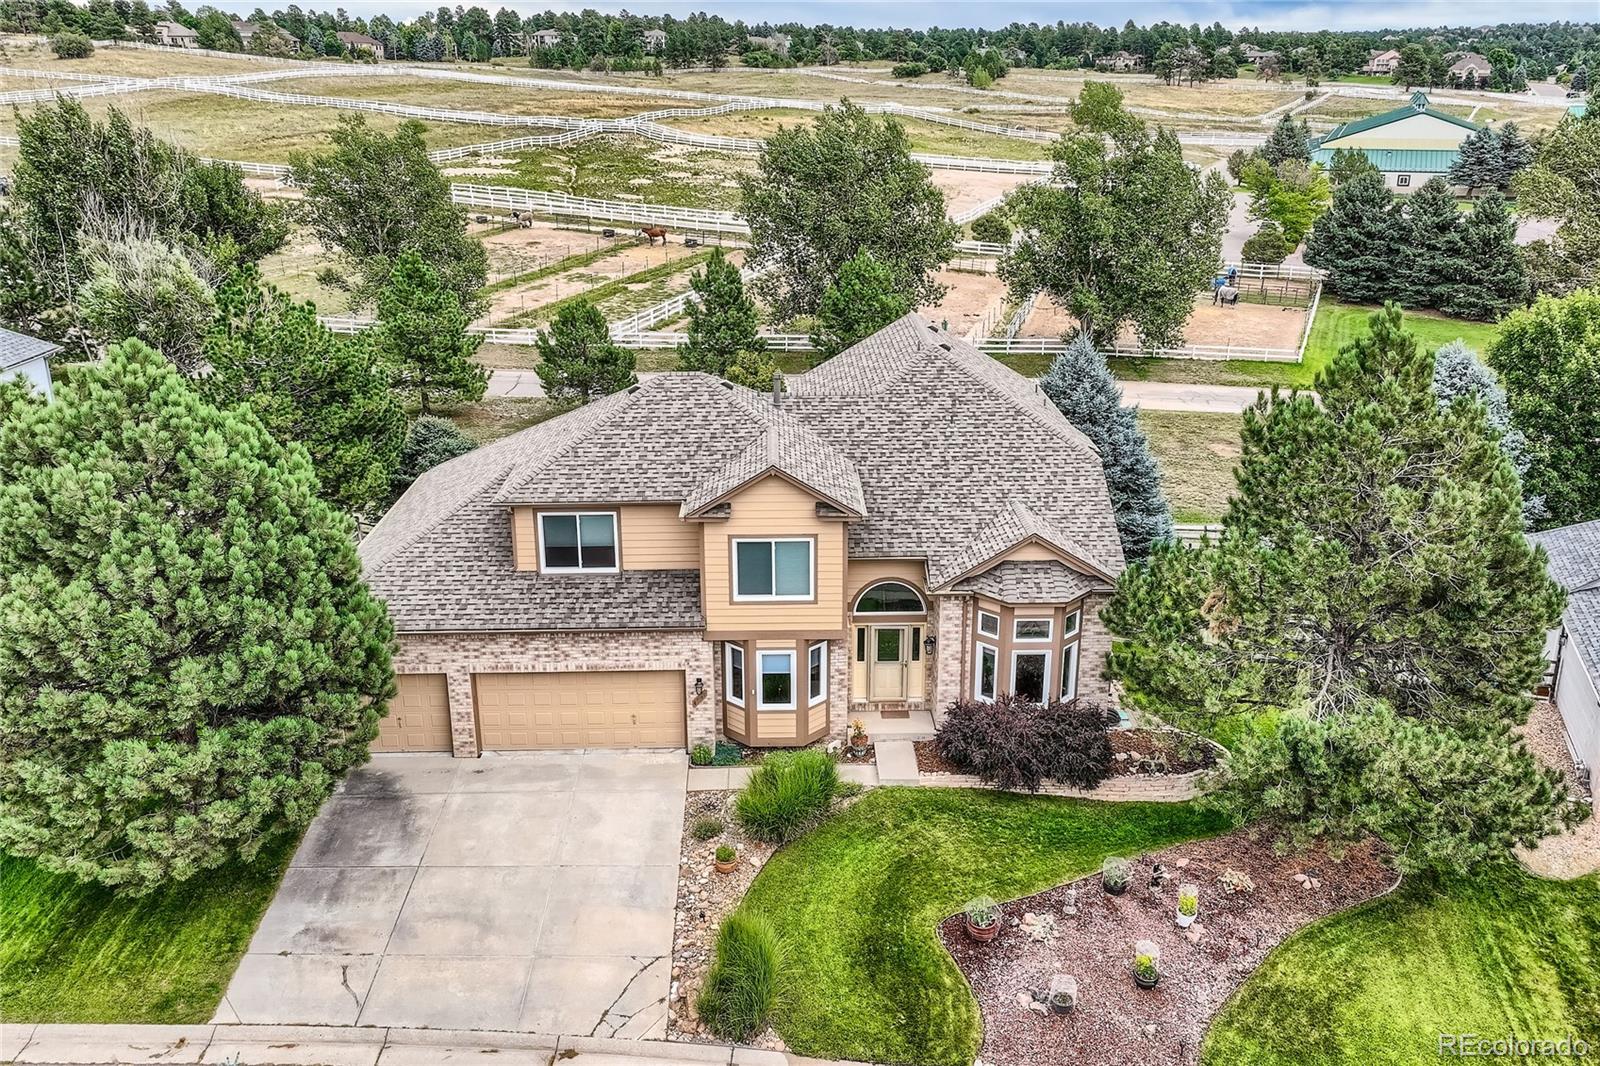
x,y
1017,743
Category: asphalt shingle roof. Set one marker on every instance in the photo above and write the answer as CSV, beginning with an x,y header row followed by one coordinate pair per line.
x,y
1030,581
943,453
1574,553
18,348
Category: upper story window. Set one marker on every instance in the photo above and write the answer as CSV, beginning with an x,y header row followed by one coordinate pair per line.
x,y
889,597
578,541
988,624
1031,629
773,569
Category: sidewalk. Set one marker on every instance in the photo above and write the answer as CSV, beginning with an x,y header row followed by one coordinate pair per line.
x,y
296,1045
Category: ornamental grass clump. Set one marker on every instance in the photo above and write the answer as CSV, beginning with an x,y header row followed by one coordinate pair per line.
x,y
787,794
741,987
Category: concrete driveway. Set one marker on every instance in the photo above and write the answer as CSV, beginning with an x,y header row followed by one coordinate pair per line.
x,y
529,892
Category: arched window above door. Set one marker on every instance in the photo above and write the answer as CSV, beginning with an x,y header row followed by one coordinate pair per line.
x,y
889,597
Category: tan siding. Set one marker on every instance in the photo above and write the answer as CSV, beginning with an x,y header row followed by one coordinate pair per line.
x,y
1034,552
733,718
524,538
655,538
819,717
773,507
864,572
1419,131
775,726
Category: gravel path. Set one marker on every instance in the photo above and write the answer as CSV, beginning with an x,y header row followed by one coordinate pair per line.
x,y
1576,852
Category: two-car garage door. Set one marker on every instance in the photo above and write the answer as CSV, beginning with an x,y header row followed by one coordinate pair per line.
x,y
520,711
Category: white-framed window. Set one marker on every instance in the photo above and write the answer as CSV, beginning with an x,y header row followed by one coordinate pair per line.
x,y
817,672
775,683
1069,671
989,623
578,541
1031,629
889,597
773,568
1069,625
986,678
733,668
1030,675
1402,180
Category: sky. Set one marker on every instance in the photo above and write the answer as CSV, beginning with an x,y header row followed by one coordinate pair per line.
x,y
1266,14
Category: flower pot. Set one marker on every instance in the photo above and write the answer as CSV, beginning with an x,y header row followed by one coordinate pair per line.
x,y
1185,920
982,933
1112,888
726,867
1145,982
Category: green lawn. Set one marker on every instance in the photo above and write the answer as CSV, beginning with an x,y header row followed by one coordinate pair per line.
x,y
1338,324
1375,986
859,899
70,952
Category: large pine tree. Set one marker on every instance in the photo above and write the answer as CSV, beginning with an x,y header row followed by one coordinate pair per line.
x,y
1498,278
1352,241
1081,386
577,358
1428,253
1372,593
189,660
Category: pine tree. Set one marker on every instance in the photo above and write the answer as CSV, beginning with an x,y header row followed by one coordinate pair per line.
x,y
862,300
1516,153
1479,163
1266,245
189,660
308,386
1372,583
1355,241
1081,386
1499,279
723,321
1290,139
578,361
422,336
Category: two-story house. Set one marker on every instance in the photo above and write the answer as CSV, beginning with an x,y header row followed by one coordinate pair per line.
x,y
909,524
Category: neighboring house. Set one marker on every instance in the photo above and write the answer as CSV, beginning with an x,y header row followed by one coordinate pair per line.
x,y
360,42
1409,144
1252,54
544,38
176,35
1120,61
1574,649
778,43
655,42
248,31
907,525
1470,71
1382,62
27,359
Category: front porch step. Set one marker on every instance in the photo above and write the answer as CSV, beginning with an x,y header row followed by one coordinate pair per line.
x,y
918,725
897,763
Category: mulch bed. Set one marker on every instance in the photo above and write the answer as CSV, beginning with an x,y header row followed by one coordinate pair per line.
x,y
1140,747
1116,1022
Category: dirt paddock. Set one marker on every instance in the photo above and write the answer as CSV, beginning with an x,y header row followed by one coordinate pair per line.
x,y
964,189
969,296
1243,325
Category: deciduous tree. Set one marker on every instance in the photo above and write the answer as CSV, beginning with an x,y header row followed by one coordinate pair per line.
x,y
1563,184
189,660
862,301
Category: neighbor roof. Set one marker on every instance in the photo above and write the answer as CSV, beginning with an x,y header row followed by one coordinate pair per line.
x,y
1399,160
19,348
1574,553
930,448
1418,106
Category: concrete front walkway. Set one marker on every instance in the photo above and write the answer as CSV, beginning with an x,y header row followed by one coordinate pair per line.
x,y
524,892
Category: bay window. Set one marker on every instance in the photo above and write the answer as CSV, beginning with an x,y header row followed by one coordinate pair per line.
x,y
734,669
817,672
775,683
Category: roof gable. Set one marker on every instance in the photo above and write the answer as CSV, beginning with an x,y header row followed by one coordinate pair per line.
x,y
1418,106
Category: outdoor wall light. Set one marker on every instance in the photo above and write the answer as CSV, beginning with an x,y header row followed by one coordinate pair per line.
x,y
929,643
699,687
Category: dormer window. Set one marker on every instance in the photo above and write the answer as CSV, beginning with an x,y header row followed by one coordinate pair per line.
x,y
773,569
578,542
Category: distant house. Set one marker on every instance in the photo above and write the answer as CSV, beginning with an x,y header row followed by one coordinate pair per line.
x,y
1470,71
248,31
777,44
1252,54
544,38
1120,61
1574,648
25,358
360,42
1382,63
1409,144
655,42
176,35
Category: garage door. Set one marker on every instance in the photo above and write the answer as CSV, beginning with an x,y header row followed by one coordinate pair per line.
x,y
419,716
618,709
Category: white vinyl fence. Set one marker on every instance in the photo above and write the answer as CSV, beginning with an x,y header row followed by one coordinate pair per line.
x,y
561,205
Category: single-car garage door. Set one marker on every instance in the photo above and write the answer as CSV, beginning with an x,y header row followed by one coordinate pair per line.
x,y
419,716
614,709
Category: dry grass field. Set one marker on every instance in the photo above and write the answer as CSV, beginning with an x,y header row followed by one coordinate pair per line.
x,y
126,62
475,96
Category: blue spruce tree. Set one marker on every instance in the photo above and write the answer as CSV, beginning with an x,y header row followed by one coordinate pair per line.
x,y
1081,386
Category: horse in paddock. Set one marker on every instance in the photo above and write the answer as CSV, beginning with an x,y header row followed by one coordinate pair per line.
x,y
1226,295
650,233
523,218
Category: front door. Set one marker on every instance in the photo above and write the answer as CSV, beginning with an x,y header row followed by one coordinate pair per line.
x,y
888,662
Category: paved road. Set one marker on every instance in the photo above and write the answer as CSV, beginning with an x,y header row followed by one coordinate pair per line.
x,y
528,892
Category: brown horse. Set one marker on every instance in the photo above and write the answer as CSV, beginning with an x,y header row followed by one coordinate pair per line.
x,y
650,233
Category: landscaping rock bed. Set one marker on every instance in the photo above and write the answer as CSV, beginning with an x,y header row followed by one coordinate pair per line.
x,y
1158,751
1078,930
705,898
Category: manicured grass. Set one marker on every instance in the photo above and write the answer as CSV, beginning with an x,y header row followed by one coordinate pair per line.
x,y
1339,323
1501,953
71,952
1196,452
859,899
